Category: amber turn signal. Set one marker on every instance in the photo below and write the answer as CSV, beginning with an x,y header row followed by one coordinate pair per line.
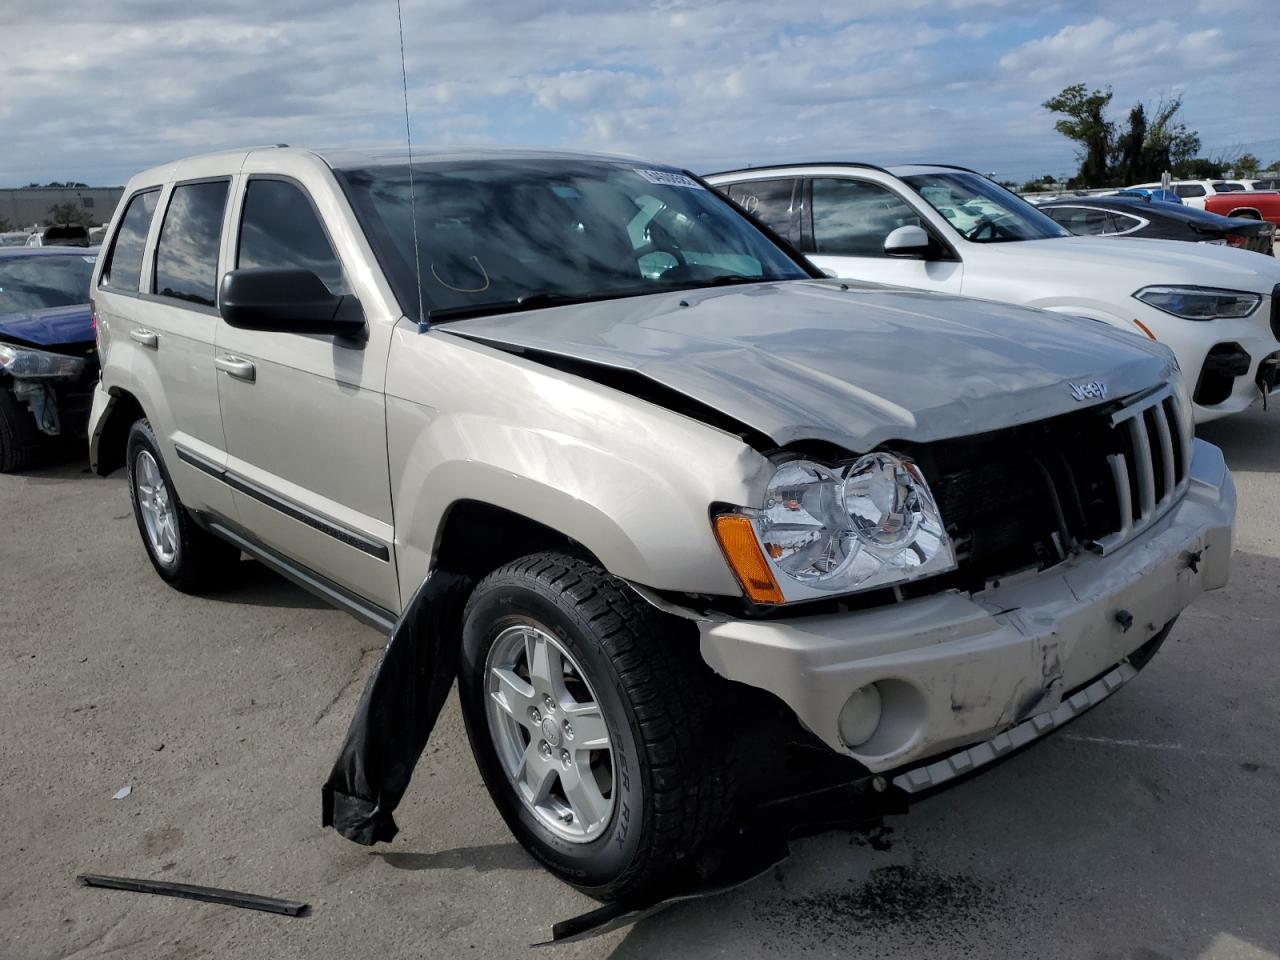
x,y
741,549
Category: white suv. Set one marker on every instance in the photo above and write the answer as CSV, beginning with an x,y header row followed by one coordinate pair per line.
x,y
952,230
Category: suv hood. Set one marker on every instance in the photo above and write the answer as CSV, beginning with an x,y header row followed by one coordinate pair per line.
x,y
807,360
51,327
1142,263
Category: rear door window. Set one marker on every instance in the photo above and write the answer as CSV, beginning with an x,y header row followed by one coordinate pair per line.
x,y
852,218
187,252
772,202
1082,221
1122,222
123,268
1188,190
280,228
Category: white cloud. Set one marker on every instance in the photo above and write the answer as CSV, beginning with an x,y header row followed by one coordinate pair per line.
x,y
109,88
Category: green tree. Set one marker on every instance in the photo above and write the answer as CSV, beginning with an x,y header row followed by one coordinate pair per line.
x,y
1152,141
1168,141
69,213
5,225
1129,154
1247,165
1085,122
1200,168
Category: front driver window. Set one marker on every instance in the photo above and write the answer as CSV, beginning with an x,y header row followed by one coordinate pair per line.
x,y
852,217
279,228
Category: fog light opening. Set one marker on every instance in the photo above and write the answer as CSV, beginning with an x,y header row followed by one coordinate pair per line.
x,y
860,715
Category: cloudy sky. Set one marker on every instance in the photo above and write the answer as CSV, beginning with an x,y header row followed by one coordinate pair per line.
x,y
98,89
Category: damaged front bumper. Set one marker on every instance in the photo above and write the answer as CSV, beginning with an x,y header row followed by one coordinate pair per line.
x,y
953,670
53,386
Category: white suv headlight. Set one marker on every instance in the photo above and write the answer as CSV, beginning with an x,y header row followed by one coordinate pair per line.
x,y
825,531
1200,303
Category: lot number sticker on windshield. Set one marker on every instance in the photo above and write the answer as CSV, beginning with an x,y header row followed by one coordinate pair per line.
x,y
668,179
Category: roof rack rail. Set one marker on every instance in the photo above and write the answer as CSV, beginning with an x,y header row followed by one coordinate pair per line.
x,y
945,166
792,166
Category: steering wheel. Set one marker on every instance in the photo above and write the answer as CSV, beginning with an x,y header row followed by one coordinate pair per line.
x,y
650,247
987,224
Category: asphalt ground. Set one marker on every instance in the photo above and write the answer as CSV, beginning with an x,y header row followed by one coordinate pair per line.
x,y
1150,828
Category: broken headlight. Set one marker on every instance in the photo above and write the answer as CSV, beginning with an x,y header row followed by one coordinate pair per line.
x,y
1200,303
872,523
26,363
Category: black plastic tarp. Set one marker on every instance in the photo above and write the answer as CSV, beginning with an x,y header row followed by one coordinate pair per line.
x,y
396,713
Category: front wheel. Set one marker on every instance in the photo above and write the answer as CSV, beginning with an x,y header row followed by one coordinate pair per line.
x,y
594,722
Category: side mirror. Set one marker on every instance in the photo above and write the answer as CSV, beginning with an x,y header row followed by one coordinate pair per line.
x,y
909,241
287,300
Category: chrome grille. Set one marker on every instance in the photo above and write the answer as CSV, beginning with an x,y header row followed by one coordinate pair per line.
x,y
1151,469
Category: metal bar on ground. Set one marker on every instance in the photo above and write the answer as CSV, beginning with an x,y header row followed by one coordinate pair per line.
x,y
230,898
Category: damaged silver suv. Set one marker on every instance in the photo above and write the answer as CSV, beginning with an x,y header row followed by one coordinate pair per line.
x,y
579,432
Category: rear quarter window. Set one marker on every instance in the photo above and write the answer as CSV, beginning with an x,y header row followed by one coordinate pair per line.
x,y
122,269
772,202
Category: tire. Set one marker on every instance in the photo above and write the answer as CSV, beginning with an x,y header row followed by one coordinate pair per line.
x,y
669,760
19,438
186,556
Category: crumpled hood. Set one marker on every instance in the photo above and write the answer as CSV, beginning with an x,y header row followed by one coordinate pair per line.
x,y
51,327
1144,262
808,360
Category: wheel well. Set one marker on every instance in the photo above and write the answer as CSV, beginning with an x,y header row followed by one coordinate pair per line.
x,y
124,413
1249,212
476,538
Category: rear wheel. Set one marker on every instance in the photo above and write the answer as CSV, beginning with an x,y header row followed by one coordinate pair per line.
x,y
596,725
185,555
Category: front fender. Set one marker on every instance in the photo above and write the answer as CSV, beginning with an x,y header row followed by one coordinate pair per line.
x,y
644,516
628,479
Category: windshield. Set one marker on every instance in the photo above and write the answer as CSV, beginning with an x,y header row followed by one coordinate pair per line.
x,y
982,211
34,283
498,232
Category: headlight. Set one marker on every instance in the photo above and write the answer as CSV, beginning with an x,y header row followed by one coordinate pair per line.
x,y
1200,303
825,531
26,363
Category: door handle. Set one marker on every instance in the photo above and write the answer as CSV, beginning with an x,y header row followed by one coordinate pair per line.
x,y
236,367
148,338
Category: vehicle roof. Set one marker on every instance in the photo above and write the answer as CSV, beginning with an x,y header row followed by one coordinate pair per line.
x,y
346,157
51,251
898,170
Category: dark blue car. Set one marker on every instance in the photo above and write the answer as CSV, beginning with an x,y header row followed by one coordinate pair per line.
x,y
48,359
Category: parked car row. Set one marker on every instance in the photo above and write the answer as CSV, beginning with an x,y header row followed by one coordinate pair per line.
x,y
1194,193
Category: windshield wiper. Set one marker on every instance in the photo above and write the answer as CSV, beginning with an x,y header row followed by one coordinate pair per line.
x,y
724,279
529,301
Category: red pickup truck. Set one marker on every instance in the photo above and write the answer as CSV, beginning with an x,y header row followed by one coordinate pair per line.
x,y
1254,204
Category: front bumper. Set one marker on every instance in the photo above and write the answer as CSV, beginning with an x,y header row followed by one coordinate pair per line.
x,y
957,669
1194,341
